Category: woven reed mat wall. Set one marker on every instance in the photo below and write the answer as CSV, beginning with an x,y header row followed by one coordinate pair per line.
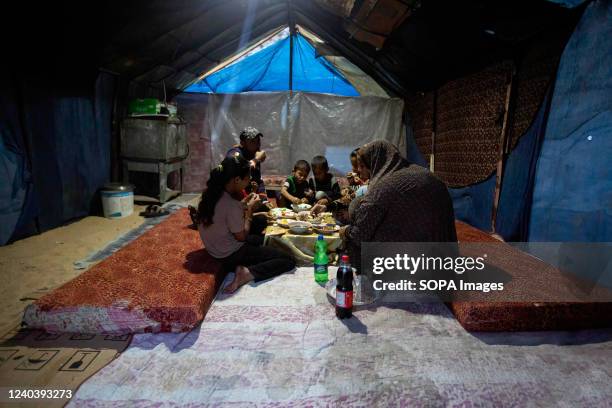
x,y
420,107
469,122
469,113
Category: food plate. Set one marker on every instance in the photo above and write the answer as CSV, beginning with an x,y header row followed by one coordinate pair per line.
x,y
274,231
326,218
283,222
299,227
301,207
325,229
282,213
304,216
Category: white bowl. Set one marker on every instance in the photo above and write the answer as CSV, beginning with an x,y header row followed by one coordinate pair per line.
x,y
301,207
299,227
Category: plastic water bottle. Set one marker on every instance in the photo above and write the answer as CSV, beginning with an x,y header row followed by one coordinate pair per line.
x,y
344,289
321,260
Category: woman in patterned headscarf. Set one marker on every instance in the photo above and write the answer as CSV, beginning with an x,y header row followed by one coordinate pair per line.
x,y
404,203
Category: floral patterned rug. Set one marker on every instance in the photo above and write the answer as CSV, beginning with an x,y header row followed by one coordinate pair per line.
x,y
278,343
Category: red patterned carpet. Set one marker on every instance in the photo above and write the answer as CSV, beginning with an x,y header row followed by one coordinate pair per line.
x,y
164,281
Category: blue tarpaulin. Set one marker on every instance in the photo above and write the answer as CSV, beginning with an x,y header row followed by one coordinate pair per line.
x,y
474,203
13,168
55,153
268,70
572,198
568,3
512,221
16,187
557,184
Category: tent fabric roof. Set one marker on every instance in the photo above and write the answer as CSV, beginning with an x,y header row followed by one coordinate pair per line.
x,y
170,44
363,83
268,70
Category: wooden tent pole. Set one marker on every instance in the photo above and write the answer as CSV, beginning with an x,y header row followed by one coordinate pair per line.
x,y
432,156
504,147
291,35
290,62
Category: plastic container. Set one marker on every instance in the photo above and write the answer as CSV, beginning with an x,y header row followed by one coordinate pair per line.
x,y
117,200
344,289
147,106
321,260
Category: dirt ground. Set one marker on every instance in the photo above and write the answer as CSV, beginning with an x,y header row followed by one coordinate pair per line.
x,y
37,264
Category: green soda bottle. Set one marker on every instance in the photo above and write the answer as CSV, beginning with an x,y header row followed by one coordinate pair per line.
x,y
321,260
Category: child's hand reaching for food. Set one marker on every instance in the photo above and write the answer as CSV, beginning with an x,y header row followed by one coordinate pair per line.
x,y
318,208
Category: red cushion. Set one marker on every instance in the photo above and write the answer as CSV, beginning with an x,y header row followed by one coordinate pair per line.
x,y
534,275
526,316
164,281
467,233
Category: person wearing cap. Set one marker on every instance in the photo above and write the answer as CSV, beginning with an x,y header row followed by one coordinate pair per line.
x,y
250,149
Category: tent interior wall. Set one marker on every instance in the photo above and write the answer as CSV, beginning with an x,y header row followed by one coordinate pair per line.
x,y
480,83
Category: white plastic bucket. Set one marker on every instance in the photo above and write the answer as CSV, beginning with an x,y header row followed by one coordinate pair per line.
x,y
117,200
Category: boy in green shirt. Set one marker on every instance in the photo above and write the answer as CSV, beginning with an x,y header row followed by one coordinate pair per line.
x,y
296,190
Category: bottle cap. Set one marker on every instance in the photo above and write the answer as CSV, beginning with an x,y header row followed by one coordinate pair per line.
x,y
345,258
320,238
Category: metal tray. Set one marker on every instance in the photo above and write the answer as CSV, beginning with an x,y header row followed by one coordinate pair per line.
x,y
330,288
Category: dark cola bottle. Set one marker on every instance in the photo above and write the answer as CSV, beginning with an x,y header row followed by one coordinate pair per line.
x,y
344,289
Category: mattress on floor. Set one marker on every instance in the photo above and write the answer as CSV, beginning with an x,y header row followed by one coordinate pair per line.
x,y
467,233
164,281
527,316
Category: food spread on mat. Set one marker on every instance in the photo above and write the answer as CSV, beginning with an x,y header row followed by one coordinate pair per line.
x,y
282,213
301,207
304,216
283,222
323,223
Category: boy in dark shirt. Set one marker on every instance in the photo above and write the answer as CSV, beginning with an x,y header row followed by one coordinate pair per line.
x,y
296,189
324,183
